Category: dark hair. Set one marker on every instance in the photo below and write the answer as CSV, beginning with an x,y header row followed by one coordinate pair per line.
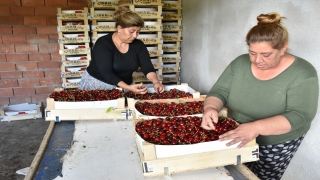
x,y
126,18
269,29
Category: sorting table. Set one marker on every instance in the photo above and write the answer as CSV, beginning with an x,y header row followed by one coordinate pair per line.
x,y
105,149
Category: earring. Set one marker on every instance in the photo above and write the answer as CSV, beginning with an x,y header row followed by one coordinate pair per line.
x,y
118,32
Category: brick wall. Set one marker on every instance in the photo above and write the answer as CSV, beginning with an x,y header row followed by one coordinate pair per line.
x,y
29,52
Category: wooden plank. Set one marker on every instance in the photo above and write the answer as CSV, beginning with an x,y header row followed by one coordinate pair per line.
x,y
38,157
246,172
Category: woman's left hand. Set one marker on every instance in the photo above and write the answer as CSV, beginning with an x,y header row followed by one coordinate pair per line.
x,y
244,133
158,87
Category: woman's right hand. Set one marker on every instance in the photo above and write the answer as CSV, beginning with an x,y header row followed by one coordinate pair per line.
x,y
138,89
210,115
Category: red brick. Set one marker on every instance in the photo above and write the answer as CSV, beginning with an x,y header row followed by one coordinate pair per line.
x,y
32,2
13,39
52,73
50,82
7,83
33,74
4,100
27,66
17,57
45,11
20,99
47,30
49,47
35,20
40,98
59,3
37,39
53,38
5,10
78,3
44,89
26,47
5,29
22,11
11,20
6,92
10,3
52,21
28,82
7,67
6,48
10,74
56,56
24,30
3,58
39,57
49,65
18,91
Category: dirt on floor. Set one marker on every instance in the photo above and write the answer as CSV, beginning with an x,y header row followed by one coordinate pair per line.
x,y
19,143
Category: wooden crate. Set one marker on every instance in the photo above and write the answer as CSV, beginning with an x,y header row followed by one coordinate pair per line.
x,y
151,38
158,160
137,114
171,57
101,14
83,48
172,37
172,5
84,62
169,78
100,27
73,38
170,68
174,48
140,77
68,15
86,110
103,4
183,87
141,2
72,71
73,28
22,115
70,83
151,28
170,28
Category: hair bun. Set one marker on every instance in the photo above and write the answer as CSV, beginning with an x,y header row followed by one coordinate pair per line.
x,y
271,18
120,12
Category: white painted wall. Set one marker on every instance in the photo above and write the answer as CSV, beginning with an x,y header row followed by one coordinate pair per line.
x,y
214,34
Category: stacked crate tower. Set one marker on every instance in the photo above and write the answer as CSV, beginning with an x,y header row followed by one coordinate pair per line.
x,y
150,34
74,41
172,37
101,18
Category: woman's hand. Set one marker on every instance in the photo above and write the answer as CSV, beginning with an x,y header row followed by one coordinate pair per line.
x,y
244,133
138,89
158,87
210,115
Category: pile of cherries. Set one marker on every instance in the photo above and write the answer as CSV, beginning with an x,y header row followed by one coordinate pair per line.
x,y
171,94
181,130
170,109
86,95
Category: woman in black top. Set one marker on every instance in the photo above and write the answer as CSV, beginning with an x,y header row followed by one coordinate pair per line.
x,y
117,55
